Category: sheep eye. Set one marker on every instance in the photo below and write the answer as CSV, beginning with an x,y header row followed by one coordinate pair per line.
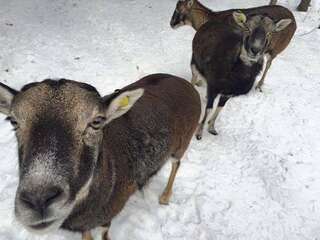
x,y
13,122
97,123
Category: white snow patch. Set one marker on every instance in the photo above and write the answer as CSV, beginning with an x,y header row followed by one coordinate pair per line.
x,y
259,179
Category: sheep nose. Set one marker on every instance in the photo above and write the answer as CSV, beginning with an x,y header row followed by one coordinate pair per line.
x,y
175,19
255,50
40,201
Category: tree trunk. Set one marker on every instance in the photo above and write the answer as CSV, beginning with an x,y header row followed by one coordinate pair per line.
x,y
273,2
304,5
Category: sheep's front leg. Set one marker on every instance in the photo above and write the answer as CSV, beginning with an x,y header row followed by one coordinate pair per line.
x,y
261,82
105,231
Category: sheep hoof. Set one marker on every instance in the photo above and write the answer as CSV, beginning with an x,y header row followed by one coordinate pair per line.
x,y
164,199
199,136
213,132
259,88
199,132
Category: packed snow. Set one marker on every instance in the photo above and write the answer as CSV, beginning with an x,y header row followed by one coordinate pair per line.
x,y
259,179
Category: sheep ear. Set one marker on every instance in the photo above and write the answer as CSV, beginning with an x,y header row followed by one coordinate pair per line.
x,y
240,18
123,103
282,24
6,96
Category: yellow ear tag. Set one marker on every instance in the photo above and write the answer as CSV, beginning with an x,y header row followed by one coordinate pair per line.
x,y
242,18
124,102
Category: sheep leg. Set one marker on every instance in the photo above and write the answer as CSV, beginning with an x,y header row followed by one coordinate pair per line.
x,y
105,232
261,82
87,235
212,121
210,99
201,125
194,79
165,197
197,78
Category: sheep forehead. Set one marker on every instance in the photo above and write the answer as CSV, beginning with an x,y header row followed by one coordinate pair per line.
x,y
69,99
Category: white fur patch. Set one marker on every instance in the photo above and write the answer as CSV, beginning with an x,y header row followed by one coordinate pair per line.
x,y
244,56
197,77
257,43
42,169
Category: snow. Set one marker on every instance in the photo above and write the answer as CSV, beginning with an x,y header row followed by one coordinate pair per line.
x,y
259,179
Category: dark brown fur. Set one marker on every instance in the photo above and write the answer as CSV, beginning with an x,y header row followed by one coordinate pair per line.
x,y
168,102
221,58
72,157
217,59
199,15
279,40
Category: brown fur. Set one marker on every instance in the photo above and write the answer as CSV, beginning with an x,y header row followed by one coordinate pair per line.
x,y
199,14
221,56
56,139
182,106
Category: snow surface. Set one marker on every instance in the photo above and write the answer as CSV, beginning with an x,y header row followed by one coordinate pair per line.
x,y
258,180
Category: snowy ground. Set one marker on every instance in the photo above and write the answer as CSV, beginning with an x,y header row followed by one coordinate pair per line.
x,y
258,180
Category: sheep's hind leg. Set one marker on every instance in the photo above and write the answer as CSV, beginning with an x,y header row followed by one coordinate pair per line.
x,y
165,197
210,99
201,125
197,78
212,121
87,235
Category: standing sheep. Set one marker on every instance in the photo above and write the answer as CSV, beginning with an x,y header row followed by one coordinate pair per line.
x,y
82,156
